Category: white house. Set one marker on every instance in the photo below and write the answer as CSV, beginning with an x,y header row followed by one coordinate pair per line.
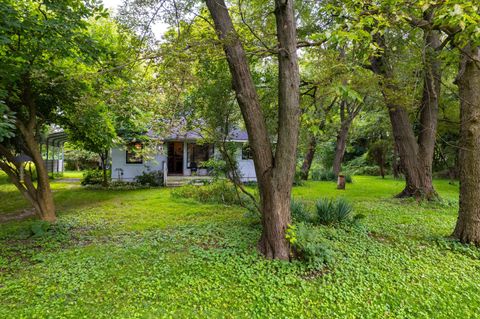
x,y
179,155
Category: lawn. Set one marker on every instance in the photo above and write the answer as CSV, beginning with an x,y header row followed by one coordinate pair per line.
x,y
144,254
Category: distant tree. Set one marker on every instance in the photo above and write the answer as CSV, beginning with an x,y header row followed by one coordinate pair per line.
x,y
39,42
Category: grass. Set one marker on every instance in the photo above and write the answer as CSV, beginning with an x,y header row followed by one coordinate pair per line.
x,y
145,254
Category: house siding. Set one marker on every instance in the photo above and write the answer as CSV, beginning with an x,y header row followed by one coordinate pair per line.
x,y
130,171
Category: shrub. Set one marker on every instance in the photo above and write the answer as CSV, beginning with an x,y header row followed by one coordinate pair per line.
x,y
300,211
316,175
348,178
92,177
331,212
154,178
309,245
368,170
323,175
221,192
297,180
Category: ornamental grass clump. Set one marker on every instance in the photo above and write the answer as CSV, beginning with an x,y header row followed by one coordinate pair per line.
x,y
333,211
300,211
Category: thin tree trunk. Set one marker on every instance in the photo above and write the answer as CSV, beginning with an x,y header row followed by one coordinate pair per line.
x,y
274,174
467,229
309,155
104,158
382,166
340,147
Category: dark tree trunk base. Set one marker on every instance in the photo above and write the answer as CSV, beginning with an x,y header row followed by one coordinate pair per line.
x,y
419,194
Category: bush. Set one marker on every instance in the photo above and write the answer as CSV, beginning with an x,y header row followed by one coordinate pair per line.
x,y
348,178
309,245
368,170
297,180
93,177
323,175
332,212
154,178
220,192
300,211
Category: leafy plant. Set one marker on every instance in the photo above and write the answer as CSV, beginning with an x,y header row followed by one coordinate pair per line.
x,y
331,212
154,178
309,245
92,177
297,179
300,211
221,192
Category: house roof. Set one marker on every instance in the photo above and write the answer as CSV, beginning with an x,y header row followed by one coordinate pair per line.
x,y
178,134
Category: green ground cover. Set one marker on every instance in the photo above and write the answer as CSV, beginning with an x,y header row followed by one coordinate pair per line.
x,y
145,254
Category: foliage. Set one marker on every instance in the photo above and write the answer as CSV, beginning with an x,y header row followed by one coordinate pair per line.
x,y
333,212
309,245
217,168
297,179
7,122
93,177
219,192
78,158
165,248
300,211
323,175
154,178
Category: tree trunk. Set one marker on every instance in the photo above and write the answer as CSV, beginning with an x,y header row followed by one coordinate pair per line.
x,y
417,170
382,166
309,155
341,146
429,111
103,159
467,229
40,197
274,173
396,167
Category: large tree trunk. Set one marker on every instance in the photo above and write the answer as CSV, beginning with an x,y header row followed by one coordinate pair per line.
x,y
274,173
40,197
467,229
429,110
309,155
415,157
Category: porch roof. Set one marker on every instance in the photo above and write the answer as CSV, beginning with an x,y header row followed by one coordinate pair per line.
x,y
235,135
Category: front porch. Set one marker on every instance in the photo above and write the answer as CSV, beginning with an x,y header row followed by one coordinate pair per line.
x,y
180,180
185,158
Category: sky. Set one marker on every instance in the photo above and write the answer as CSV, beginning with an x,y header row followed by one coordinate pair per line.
x,y
158,28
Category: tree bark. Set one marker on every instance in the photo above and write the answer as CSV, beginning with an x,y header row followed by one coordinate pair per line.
x,y
340,147
417,168
40,197
274,173
429,110
467,229
309,155
103,159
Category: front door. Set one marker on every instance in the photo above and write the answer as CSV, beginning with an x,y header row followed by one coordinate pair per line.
x,y
175,158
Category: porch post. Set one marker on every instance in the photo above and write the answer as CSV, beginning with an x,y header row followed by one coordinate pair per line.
x,y
185,159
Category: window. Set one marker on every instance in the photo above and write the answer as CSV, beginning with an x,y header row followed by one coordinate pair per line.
x,y
134,155
247,153
199,153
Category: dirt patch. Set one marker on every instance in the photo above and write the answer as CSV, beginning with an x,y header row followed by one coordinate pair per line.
x,y
379,237
24,214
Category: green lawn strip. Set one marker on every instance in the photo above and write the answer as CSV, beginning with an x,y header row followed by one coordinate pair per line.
x,y
144,254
